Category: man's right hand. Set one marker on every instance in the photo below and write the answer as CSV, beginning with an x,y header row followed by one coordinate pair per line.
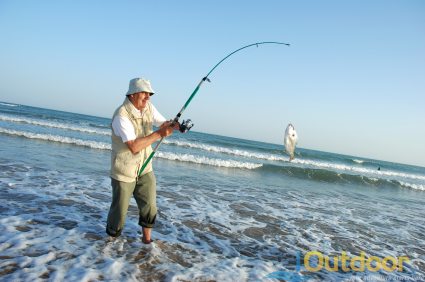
x,y
166,129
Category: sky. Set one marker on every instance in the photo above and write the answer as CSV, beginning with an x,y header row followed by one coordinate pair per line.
x,y
352,81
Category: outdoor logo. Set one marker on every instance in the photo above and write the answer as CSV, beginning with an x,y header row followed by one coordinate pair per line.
x,y
315,261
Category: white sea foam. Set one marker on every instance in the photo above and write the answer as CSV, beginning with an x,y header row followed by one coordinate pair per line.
x,y
335,166
54,124
41,245
412,186
211,227
223,150
57,138
207,161
358,161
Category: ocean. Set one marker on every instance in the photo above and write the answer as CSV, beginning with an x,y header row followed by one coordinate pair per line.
x,y
229,209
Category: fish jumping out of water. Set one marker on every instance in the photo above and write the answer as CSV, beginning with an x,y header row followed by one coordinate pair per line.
x,y
290,141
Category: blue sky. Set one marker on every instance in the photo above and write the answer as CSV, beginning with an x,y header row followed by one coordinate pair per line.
x,y
352,81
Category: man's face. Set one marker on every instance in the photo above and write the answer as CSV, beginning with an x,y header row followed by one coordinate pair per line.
x,y
140,100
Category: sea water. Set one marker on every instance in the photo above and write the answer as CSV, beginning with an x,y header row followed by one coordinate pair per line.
x,y
229,209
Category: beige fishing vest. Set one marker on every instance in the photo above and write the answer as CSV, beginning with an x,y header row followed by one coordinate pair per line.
x,y
124,164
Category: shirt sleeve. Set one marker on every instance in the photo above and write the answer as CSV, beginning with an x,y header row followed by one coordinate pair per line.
x,y
158,119
123,128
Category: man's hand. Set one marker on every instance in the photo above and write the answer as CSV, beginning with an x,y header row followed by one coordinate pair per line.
x,y
176,125
166,129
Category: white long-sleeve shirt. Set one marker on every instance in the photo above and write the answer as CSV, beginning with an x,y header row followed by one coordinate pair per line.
x,y
123,127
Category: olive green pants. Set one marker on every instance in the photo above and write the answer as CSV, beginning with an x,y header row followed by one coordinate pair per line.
x,y
144,191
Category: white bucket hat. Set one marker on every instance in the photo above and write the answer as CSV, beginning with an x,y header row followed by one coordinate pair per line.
x,y
139,85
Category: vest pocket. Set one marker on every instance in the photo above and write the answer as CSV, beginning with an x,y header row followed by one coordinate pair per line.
x,y
125,164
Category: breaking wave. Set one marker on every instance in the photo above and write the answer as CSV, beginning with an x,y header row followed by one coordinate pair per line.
x,y
331,176
362,170
412,186
58,138
54,125
223,150
207,161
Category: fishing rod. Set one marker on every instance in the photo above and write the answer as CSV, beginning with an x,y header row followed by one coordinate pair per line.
x,y
186,125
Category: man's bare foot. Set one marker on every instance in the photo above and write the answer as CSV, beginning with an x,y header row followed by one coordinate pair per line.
x,y
146,241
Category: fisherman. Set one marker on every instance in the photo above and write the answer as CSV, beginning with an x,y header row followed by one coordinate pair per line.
x,y
132,136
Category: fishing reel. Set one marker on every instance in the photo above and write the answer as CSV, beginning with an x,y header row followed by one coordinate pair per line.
x,y
186,125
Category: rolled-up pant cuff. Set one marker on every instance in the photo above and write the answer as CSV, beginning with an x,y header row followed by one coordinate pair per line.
x,y
113,233
149,224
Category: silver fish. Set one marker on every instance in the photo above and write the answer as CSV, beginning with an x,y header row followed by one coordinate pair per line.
x,y
290,141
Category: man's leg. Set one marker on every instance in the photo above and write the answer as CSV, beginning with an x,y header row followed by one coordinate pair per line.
x,y
145,195
121,194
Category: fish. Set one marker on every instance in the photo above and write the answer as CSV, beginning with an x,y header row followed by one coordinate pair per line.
x,y
290,141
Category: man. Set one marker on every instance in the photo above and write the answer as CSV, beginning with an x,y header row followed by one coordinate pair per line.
x,y
132,136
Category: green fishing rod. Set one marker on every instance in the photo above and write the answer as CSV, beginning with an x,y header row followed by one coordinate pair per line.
x,y
205,78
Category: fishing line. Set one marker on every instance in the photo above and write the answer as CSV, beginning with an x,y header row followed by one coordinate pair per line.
x,y
205,78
